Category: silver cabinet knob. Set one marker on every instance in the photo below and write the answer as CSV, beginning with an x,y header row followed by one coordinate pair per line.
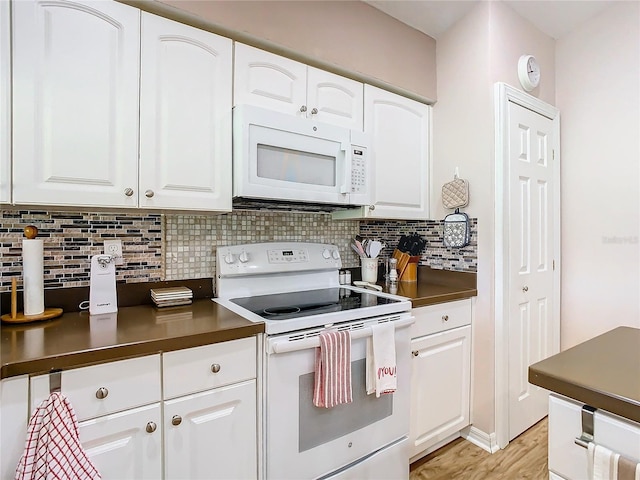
x,y
149,193
415,353
176,420
445,318
151,427
101,393
372,207
215,368
303,108
128,192
525,289
314,111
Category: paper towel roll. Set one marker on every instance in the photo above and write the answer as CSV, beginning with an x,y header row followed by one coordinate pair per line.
x,y
33,273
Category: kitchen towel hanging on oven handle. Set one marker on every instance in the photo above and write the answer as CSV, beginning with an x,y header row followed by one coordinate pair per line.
x,y
456,230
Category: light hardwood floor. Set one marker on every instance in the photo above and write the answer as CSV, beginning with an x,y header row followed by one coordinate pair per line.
x,y
524,458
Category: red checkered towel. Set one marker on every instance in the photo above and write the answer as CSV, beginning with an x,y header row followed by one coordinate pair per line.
x,y
333,369
52,450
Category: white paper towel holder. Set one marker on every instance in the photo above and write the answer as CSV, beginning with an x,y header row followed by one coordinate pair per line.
x,y
19,317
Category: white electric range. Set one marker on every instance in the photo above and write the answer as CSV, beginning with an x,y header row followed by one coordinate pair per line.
x,y
294,289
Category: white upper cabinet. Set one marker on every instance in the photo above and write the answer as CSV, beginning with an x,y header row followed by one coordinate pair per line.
x,y
400,132
185,117
75,102
118,108
5,103
277,83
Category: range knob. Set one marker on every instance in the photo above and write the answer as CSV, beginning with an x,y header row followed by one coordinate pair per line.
x,y
244,258
336,255
229,258
326,253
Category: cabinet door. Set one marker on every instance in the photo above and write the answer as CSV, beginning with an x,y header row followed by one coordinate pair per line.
x,y
5,110
126,444
335,99
185,117
14,417
400,129
270,81
212,435
75,102
440,376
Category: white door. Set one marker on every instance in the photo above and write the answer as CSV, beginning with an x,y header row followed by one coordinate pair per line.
x,y
5,103
75,102
185,117
399,128
532,305
334,99
212,435
440,374
127,444
270,81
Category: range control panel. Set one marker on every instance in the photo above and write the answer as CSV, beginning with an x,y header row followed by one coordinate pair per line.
x,y
279,257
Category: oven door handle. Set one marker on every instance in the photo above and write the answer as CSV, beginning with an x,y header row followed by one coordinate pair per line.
x,y
283,346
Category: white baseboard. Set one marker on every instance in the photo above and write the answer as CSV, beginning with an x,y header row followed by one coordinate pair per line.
x,y
486,441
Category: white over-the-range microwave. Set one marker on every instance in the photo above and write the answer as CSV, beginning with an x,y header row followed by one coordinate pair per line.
x,y
291,159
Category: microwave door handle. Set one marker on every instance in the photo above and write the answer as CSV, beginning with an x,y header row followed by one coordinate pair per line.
x,y
346,180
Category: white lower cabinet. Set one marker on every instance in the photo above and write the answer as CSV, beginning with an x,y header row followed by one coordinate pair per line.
x,y
567,460
440,374
14,417
195,420
125,444
212,434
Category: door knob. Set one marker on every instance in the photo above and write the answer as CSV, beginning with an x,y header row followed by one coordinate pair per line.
x,y
215,368
149,193
525,289
128,192
303,108
176,420
415,353
314,111
151,427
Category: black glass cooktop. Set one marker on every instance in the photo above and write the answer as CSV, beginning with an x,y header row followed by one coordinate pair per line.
x,y
282,306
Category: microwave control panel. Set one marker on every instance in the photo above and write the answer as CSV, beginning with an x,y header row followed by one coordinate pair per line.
x,y
358,170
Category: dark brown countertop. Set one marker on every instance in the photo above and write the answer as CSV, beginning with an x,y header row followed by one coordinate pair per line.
x,y
603,372
74,340
437,286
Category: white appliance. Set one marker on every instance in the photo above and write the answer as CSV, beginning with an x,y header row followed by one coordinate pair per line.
x,y
286,158
293,288
102,285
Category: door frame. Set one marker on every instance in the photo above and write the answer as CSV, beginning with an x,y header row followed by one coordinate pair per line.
x,y
503,94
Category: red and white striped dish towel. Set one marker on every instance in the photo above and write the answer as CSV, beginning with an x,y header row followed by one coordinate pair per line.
x,y
333,369
52,450
381,360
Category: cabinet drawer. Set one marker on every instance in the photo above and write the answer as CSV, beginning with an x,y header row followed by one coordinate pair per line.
x,y
441,317
127,383
201,368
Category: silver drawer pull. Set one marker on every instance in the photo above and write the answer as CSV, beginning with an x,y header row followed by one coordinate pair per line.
x,y
303,108
101,393
151,427
128,192
415,353
445,318
176,420
314,111
149,193
215,368
525,289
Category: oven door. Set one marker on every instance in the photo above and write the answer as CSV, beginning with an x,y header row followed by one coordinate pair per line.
x,y
304,441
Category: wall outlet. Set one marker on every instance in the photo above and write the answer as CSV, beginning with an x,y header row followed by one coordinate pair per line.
x,y
114,248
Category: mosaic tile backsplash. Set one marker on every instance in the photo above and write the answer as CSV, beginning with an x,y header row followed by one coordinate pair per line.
x,y
160,247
